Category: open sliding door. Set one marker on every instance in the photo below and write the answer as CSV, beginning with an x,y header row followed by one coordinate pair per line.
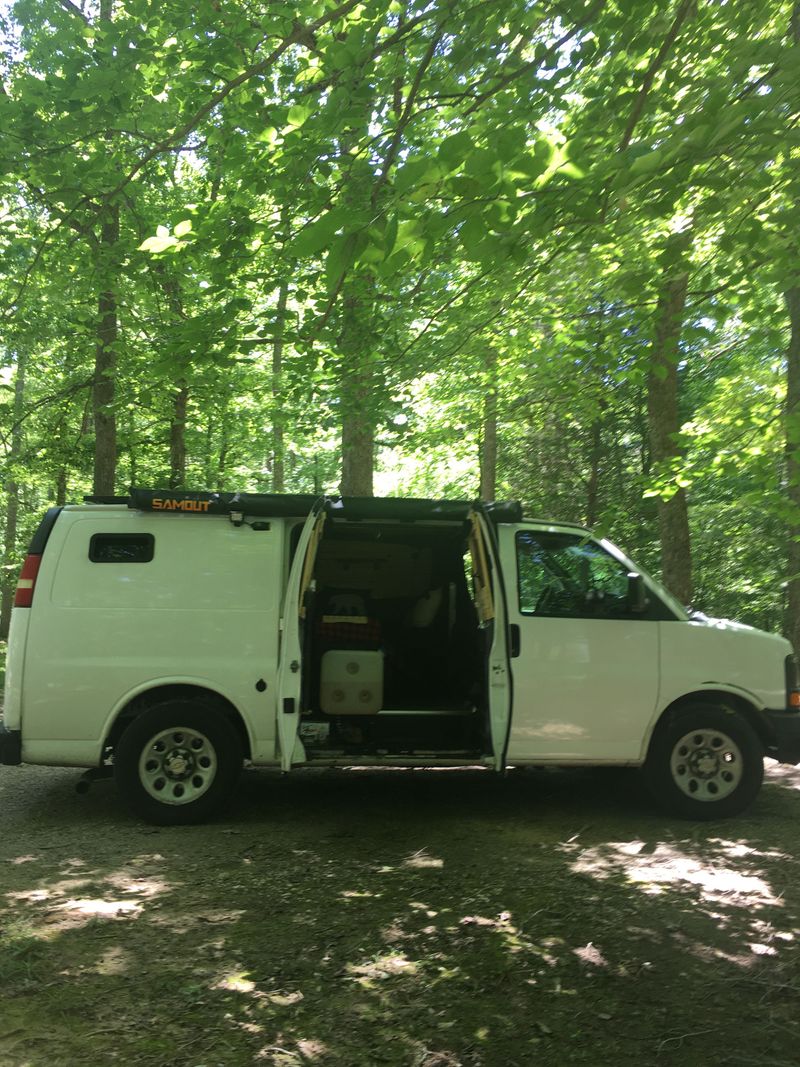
x,y
490,601
293,624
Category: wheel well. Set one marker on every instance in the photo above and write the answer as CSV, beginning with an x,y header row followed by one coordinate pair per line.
x,y
163,693
716,697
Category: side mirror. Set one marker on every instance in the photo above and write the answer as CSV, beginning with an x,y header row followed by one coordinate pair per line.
x,y
637,594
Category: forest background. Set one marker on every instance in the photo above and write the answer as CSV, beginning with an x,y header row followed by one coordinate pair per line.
x,y
508,249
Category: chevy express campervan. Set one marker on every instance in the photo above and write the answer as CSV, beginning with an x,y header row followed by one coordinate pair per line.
x,y
172,636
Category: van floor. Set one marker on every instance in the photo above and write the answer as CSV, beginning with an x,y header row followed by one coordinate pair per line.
x,y
442,735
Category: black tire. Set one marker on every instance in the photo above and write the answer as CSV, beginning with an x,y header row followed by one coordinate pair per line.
x,y
177,762
705,762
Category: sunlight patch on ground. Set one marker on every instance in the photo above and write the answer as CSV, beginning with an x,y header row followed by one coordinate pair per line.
x,y
421,860
107,909
591,955
114,961
782,774
307,1051
237,983
668,867
387,965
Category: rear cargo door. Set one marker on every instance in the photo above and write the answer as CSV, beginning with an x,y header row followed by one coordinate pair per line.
x,y
490,601
293,624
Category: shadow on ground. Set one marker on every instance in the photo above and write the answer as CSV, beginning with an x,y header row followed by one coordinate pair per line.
x,y
421,918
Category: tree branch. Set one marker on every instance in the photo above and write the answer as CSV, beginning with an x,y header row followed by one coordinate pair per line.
x,y
75,10
534,63
658,61
299,35
407,115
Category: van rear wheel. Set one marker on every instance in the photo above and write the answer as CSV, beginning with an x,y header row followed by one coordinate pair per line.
x,y
705,762
177,762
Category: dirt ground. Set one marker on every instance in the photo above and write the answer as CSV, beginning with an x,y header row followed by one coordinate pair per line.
x,y
420,918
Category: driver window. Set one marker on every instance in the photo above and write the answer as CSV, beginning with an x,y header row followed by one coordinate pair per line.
x,y
565,575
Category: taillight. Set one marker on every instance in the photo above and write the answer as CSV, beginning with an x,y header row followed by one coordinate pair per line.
x,y
792,683
27,581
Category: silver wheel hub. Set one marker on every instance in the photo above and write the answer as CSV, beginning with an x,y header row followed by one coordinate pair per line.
x,y
706,764
177,766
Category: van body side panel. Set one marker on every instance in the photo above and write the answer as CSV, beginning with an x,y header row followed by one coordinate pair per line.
x,y
205,607
717,654
585,689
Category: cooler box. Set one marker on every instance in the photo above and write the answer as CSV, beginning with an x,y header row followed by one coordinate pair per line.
x,y
351,682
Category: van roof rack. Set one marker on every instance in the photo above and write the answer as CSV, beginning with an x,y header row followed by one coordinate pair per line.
x,y
276,505
90,499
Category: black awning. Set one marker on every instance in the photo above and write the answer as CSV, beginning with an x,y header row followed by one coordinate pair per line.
x,y
282,505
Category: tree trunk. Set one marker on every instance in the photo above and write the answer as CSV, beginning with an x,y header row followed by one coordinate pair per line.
x,y
177,438
664,426
61,487
593,487
488,446
105,362
224,445
359,381
105,365
360,376
12,500
792,432
358,421
278,448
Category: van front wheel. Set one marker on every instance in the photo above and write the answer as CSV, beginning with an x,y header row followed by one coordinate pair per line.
x,y
705,762
177,762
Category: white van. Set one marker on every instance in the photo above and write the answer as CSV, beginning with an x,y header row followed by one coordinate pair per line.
x,y
175,635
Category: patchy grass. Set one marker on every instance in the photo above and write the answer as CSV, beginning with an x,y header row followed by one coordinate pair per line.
x,y
428,919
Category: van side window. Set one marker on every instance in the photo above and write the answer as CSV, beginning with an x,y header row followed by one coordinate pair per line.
x,y
121,548
565,575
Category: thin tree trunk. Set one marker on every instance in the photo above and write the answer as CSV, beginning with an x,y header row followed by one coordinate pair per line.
x,y
359,383
664,426
12,499
105,363
177,438
61,487
593,487
278,448
488,446
792,432
358,421
180,398
224,445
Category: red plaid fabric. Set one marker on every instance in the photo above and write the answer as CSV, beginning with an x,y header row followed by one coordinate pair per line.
x,y
362,634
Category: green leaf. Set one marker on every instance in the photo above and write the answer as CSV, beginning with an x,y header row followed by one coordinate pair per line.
x,y
299,114
159,243
646,164
318,235
454,150
472,234
338,260
418,172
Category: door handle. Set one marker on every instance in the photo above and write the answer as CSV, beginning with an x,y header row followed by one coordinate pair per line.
x,y
515,640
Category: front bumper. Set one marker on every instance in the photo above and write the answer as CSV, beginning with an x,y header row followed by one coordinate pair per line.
x,y
10,746
784,735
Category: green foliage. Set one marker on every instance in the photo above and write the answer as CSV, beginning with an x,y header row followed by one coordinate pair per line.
x,y
330,212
